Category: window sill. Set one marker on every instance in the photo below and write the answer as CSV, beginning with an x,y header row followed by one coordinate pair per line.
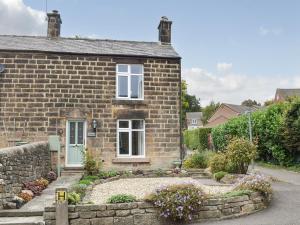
x,y
131,160
128,102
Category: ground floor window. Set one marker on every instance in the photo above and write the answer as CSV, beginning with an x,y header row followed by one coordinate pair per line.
x,y
131,138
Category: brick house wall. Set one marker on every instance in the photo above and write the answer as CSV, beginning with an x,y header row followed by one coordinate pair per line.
x,y
39,92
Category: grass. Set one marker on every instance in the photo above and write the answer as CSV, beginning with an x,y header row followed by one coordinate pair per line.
x,y
294,168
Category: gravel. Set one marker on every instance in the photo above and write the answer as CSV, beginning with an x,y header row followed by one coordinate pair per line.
x,y
140,187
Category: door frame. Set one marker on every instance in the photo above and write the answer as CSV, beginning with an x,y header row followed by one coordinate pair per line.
x,y
67,140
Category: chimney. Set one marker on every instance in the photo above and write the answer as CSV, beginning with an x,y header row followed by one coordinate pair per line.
x,y
164,29
54,22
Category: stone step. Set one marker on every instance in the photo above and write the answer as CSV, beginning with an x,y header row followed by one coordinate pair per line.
x,y
34,220
19,213
201,177
72,171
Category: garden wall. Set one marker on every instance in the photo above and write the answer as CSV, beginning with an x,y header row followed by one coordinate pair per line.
x,y
143,213
21,164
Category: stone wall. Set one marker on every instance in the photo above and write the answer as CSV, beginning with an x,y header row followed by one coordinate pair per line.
x,y
39,92
142,213
21,164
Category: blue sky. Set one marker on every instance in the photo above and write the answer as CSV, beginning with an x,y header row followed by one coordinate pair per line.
x,y
223,43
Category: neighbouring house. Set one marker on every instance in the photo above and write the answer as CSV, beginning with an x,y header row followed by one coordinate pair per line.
x,y
193,120
228,111
283,94
118,99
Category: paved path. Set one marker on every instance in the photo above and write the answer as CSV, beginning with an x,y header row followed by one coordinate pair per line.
x,y
284,208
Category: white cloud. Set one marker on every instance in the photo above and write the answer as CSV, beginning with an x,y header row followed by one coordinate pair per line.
x,y
19,19
224,67
269,31
234,88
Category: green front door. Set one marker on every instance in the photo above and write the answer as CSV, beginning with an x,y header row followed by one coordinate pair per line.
x,y
75,143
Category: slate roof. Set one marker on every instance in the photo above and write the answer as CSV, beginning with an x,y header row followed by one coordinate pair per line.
x,y
241,108
284,93
194,115
87,46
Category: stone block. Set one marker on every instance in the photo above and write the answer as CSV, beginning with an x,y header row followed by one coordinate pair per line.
x,y
237,199
73,215
106,213
122,206
102,221
214,202
123,212
123,220
146,219
145,205
87,215
80,222
248,208
209,214
49,215
137,211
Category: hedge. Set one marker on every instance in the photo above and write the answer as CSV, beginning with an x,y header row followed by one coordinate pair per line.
x,y
267,125
197,138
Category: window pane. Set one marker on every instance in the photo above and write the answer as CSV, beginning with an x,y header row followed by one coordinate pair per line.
x,y
72,132
123,143
123,68
137,124
136,69
136,86
80,133
122,86
137,142
123,124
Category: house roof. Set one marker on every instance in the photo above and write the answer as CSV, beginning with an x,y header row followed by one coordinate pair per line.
x,y
284,93
87,46
194,115
241,108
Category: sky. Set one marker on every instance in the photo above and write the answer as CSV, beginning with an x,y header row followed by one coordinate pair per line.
x,y
231,50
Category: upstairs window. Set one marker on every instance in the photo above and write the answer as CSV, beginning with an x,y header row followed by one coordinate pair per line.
x,y
130,79
194,122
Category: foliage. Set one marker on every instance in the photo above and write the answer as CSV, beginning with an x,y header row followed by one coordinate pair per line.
x,y
239,153
121,198
255,182
209,110
51,176
197,138
218,162
25,196
73,198
43,183
159,172
291,128
178,202
91,166
91,178
79,189
219,175
107,174
250,103
36,189
266,126
86,182
198,160
237,193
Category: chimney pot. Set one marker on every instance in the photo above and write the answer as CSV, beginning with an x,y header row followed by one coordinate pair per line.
x,y
54,22
164,30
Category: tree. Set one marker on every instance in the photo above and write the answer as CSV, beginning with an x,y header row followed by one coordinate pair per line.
x,y
269,102
209,110
250,103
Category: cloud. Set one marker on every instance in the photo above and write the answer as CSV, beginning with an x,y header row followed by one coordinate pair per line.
x,y
263,31
18,19
224,67
234,88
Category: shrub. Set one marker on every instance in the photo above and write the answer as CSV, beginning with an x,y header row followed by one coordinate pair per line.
x,y
219,175
79,188
36,189
51,176
239,153
91,178
25,196
86,182
236,193
73,198
255,182
197,138
107,174
90,165
218,162
198,160
43,183
178,202
121,198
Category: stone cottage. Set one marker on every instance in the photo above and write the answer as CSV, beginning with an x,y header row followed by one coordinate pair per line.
x,y
118,99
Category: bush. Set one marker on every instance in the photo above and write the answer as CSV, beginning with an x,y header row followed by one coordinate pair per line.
x,y
197,138
121,198
219,175
73,198
198,160
91,166
43,183
107,174
25,196
178,202
255,182
51,176
239,153
79,189
218,162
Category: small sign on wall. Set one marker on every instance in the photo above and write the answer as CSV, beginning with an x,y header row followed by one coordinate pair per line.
x,y
91,134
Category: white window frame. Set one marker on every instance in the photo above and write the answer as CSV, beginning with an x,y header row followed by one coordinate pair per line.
x,y
129,130
194,121
128,75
